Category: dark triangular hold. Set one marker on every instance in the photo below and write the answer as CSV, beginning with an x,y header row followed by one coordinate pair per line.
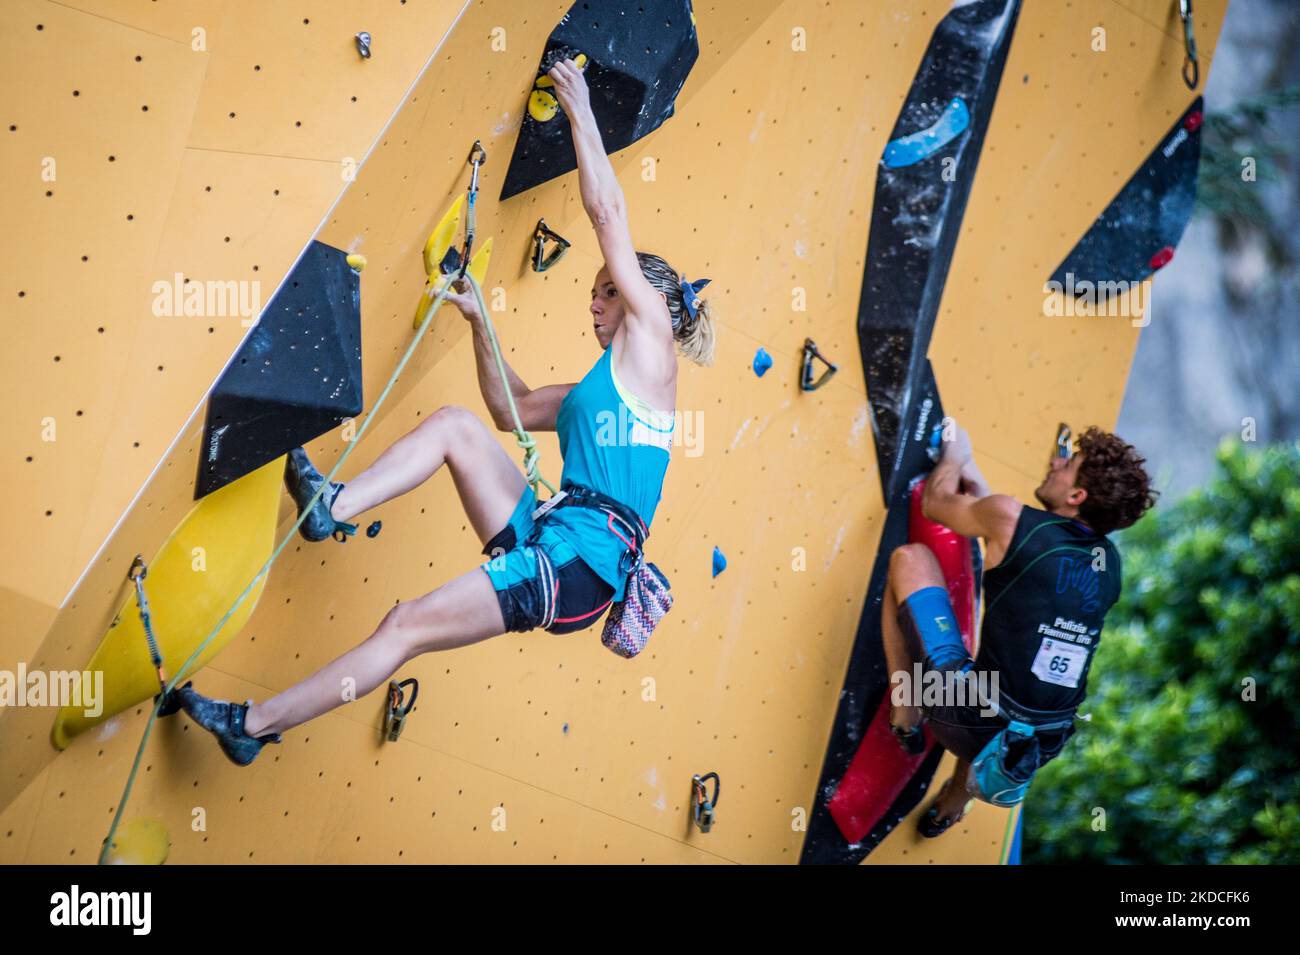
x,y
296,375
1138,231
638,56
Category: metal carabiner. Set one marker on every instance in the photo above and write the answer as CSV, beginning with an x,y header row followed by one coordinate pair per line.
x,y
477,158
1063,435
810,352
398,710
703,809
541,260
1190,62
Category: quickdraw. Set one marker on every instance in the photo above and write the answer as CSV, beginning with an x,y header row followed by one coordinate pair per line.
x,y
810,353
138,572
1191,65
399,707
703,809
542,260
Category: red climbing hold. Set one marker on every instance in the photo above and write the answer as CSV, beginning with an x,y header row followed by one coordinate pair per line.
x,y
1193,121
1162,258
880,770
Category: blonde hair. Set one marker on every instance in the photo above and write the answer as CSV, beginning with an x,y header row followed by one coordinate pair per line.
x,y
694,336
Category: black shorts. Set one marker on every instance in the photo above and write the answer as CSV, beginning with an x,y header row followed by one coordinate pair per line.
x,y
540,580
928,626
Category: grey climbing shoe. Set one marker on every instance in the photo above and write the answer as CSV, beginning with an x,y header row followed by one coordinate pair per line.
x,y
302,479
223,720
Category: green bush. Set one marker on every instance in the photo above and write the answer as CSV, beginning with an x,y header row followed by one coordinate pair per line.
x,y
1185,769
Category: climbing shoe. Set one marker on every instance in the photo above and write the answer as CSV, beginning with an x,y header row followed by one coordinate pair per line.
x,y
302,480
930,825
912,740
223,720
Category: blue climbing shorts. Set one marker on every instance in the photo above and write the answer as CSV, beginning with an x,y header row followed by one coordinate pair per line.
x,y
540,581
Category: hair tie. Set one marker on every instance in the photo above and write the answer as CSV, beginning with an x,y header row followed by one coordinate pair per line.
x,y
691,294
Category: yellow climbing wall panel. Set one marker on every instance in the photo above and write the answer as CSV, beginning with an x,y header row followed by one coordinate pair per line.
x,y
529,747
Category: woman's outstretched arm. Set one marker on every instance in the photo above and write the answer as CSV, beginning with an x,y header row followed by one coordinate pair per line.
x,y
602,198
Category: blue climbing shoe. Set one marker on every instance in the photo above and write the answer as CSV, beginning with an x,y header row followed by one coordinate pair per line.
x,y
302,479
223,720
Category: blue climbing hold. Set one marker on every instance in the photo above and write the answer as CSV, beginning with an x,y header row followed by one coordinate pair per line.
x,y
719,562
762,362
911,149
374,529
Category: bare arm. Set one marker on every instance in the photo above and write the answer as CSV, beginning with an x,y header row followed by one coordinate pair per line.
x,y
538,407
977,513
647,323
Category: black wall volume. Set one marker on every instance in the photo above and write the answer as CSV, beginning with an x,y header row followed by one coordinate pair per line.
x,y
638,57
296,376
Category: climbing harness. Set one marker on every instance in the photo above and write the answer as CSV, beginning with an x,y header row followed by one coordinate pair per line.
x,y
810,352
647,595
399,707
542,260
703,809
1191,66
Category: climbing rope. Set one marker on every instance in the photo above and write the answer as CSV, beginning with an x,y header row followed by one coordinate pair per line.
x,y
522,437
525,440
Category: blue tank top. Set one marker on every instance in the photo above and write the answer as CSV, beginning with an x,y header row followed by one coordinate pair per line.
x,y
616,443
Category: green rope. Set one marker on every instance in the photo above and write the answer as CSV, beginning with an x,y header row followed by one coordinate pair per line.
x,y
521,435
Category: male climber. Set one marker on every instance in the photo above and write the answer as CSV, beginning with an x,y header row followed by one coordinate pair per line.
x,y
1050,576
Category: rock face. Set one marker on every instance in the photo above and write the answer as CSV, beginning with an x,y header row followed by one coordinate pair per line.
x,y
1223,347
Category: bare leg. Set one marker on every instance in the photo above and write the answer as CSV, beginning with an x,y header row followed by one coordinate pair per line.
x,y
912,567
487,480
461,612
954,797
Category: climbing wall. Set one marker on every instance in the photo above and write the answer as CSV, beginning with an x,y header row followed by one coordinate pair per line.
x,y
202,141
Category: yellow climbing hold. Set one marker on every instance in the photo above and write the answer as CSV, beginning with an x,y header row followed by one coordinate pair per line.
x,y
139,842
478,266
356,261
544,82
233,529
542,106
442,237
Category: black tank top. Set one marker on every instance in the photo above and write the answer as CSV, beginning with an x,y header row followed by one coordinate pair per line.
x,y
1044,608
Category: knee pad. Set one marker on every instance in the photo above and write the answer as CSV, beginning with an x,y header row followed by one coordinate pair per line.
x,y
930,626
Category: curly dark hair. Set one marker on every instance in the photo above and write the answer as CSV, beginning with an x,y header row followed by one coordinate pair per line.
x,y
1118,486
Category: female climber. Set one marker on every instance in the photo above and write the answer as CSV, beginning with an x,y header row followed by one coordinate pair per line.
x,y
558,571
